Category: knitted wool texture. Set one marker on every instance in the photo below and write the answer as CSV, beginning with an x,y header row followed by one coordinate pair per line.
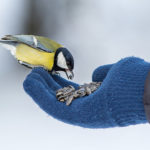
x,y
117,102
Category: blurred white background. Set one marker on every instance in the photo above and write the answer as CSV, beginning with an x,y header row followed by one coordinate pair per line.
x,y
97,32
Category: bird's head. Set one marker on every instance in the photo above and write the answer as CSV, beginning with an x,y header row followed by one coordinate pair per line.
x,y
64,61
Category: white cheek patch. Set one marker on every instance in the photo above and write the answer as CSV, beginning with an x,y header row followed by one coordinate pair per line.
x,y
11,48
61,61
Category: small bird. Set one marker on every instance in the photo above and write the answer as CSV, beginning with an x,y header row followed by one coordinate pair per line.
x,y
37,51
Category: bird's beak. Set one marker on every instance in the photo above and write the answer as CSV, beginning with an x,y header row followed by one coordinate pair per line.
x,y
69,74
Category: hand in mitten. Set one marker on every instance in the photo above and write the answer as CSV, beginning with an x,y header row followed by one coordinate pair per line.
x,y
117,102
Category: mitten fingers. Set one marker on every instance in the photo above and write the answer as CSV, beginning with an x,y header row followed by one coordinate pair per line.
x,y
44,77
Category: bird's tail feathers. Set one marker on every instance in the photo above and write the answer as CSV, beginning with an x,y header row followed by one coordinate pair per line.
x,y
9,44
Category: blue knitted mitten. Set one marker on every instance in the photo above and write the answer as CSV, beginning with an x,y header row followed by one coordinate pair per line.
x,y
117,102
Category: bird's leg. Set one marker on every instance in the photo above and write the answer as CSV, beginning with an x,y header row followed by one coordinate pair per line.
x,y
55,73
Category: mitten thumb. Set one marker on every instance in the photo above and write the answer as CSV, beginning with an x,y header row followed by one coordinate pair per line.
x,y
100,73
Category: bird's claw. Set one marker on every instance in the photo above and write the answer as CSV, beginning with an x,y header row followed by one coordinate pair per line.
x,y
55,73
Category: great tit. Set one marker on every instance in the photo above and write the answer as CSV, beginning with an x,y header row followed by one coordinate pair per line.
x,y
33,51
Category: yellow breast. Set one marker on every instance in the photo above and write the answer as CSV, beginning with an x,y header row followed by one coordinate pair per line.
x,y
34,57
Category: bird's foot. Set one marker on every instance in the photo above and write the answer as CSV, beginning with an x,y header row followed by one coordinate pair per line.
x,y
55,73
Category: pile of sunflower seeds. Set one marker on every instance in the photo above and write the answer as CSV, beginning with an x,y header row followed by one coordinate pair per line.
x,y
69,93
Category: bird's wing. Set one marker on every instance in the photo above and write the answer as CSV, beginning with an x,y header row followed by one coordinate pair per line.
x,y
37,42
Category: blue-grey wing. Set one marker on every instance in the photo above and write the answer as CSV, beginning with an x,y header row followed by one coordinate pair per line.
x,y
30,40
